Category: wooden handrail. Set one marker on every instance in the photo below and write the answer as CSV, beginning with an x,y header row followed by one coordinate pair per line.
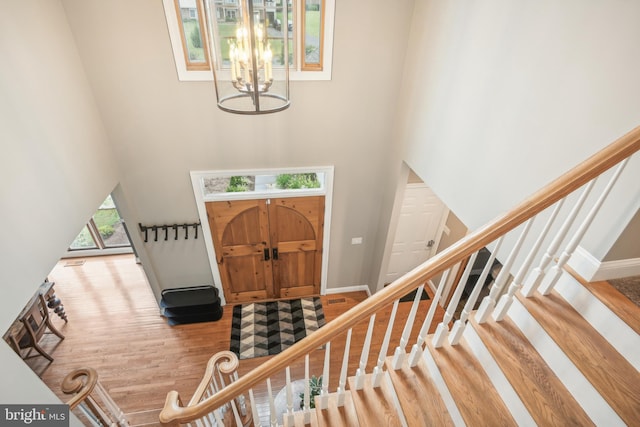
x,y
81,383
591,168
225,361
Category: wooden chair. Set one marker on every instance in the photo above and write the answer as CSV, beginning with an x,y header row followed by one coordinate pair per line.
x,y
36,321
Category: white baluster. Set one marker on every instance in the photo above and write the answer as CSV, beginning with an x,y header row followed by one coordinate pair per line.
x,y
94,411
254,410
241,399
504,304
211,417
307,394
322,401
110,405
399,355
377,371
538,273
218,416
273,416
208,392
489,302
343,372
416,350
442,330
290,416
204,422
213,385
223,383
236,414
458,327
556,270
364,356
507,299
86,410
218,387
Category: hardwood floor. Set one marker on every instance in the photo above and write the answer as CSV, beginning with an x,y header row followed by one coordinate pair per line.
x,y
115,327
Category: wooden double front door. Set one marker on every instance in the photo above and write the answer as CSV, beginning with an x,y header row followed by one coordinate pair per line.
x,y
268,248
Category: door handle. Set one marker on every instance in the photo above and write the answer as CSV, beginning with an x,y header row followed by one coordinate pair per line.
x,y
275,253
266,254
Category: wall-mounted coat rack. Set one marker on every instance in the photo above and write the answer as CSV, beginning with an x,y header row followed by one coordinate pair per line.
x,y
175,228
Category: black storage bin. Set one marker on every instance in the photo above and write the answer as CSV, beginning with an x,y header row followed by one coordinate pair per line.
x,y
191,305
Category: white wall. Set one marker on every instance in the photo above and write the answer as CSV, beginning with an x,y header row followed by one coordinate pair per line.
x,y
501,97
162,129
56,164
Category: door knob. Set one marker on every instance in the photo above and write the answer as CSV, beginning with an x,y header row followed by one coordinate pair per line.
x,y
430,243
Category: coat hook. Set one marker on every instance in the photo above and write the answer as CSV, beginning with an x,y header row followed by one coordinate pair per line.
x,y
175,229
186,231
143,228
155,231
195,227
166,232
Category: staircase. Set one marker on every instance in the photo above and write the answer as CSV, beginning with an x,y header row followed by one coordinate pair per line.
x,y
539,349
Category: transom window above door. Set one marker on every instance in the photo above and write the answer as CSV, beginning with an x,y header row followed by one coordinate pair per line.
x,y
240,184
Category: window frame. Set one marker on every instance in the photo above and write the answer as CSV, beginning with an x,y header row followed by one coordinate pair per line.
x,y
100,247
304,66
299,71
190,65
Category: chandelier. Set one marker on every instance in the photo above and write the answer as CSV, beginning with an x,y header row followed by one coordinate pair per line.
x,y
249,43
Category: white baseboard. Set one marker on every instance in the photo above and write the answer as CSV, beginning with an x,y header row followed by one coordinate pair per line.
x,y
357,288
593,270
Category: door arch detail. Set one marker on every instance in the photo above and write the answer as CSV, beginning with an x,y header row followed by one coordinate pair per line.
x,y
268,248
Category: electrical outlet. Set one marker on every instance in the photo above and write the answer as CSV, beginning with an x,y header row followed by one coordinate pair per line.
x,y
356,240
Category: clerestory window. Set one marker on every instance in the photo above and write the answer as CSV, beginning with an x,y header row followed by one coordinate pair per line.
x,y
309,22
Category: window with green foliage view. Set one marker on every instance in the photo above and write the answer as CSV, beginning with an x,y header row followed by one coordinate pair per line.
x,y
104,230
309,24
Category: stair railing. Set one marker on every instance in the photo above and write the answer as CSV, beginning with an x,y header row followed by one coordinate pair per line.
x,y
384,304
221,371
91,399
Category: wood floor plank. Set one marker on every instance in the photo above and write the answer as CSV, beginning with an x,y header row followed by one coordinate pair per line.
x,y
411,382
115,327
338,416
478,401
544,395
610,373
375,406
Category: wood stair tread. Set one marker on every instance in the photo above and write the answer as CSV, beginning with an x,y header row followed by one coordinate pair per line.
x,y
541,391
143,418
338,416
298,419
375,406
617,302
477,400
411,382
609,372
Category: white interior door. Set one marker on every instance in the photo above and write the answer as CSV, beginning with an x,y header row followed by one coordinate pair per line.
x,y
420,225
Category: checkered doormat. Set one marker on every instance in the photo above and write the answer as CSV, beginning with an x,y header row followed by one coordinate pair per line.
x,y
263,329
